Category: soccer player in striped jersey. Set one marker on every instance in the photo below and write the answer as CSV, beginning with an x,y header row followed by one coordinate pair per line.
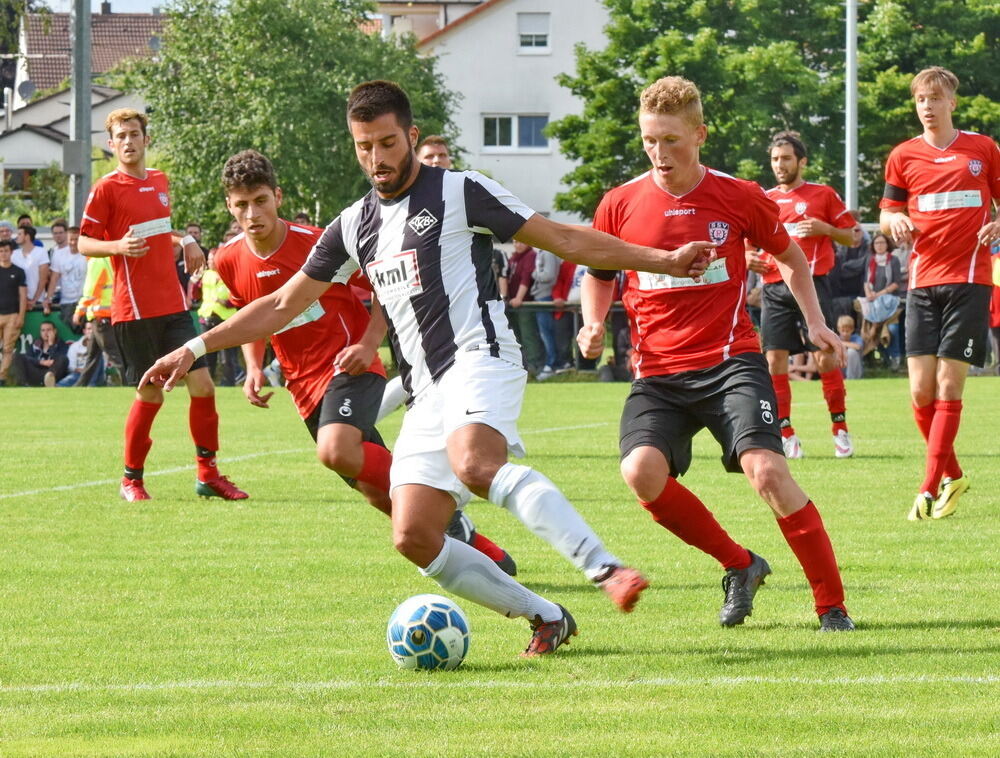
x,y
423,238
697,358
127,218
941,190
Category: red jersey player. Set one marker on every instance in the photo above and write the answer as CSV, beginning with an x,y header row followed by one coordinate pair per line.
x,y
940,190
697,359
127,217
814,217
328,354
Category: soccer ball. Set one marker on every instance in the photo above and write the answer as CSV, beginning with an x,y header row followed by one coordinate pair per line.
x,y
428,632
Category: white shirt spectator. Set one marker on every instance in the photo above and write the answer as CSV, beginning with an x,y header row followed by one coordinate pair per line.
x,y
72,270
31,262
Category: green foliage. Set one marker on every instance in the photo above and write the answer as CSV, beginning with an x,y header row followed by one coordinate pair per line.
x,y
273,77
768,65
48,199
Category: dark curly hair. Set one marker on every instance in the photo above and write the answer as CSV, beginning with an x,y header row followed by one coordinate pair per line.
x,y
370,100
792,139
248,170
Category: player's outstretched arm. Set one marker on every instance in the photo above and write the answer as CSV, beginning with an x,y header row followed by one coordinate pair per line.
x,y
595,300
260,319
795,273
587,246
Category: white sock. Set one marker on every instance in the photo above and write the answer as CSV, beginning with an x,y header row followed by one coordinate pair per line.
x,y
541,507
464,571
393,396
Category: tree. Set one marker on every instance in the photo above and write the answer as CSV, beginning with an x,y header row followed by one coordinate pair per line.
x,y
273,77
764,66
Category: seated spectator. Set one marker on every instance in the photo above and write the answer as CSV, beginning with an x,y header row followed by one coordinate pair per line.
x,y
35,262
13,304
76,356
802,367
853,347
68,271
45,363
880,303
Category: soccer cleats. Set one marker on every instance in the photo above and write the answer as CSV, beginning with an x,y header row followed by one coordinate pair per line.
x,y
792,447
951,491
220,487
842,445
836,620
546,636
132,490
623,585
462,529
740,586
923,508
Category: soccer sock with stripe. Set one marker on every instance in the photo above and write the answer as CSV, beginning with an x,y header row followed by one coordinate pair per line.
x,y
941,444
807,537
835,394
137,439
679,510
924,416
783,391
203,421
541,507
464,571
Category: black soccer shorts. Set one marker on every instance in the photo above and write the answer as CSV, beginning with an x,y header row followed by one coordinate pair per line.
x,y
949,321
143,341
782,325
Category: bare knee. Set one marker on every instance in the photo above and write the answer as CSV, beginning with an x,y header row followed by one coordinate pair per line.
x,y
416,543
645,471
921,397
474,471
336,459
767,477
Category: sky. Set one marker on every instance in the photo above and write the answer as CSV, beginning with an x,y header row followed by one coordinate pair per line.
x,y
117,6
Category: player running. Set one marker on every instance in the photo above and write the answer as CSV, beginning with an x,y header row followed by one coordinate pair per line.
x,y
814,217
940,190
423,237
697,359
127,218
328,354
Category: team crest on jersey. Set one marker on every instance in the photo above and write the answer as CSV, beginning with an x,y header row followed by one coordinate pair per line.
x,y
975,167
718,232
164,199
422,222
800,208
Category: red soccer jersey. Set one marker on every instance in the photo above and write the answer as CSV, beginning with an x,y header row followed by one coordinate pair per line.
x,y
814,201
148,286
948,193
679,324
307,346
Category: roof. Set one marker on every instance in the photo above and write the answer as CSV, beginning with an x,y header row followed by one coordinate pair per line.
x,y
458,21
114,37
43,131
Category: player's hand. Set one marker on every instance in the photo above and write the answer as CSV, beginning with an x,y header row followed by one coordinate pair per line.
x,y
194,258
255,382
990,233
169,369
811,227
902,228
590,340
759,262
132,246
689,260
823,337
354,359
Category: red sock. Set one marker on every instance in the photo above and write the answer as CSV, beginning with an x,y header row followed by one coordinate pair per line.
x,y
835,394
783,391
925,420
203,421
941,443
807,537
487,547
680,511
137,427
375,469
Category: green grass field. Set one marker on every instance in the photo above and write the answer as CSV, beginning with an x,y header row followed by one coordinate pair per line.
x,y
184,627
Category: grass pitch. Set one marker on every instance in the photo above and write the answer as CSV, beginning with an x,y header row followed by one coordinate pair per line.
x,y
184,627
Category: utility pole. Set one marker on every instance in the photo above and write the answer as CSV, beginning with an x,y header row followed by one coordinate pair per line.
x,y
851,109
76,151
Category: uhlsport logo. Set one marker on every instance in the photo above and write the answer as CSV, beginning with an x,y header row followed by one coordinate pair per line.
x,y
765,412
968,349
422,222
718,232
975,167
345,409
800,208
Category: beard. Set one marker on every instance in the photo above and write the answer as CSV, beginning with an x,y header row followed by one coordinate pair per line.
x,y
790,178
396,183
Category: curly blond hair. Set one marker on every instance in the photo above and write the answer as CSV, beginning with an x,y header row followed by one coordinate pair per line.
x,y
673,96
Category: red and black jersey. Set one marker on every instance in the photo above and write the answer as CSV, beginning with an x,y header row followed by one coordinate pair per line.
x,y
148,286
679,324
948,193
308,345
810,200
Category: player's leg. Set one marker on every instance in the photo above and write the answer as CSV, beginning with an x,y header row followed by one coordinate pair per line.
x,y
780,336
482,398
834,390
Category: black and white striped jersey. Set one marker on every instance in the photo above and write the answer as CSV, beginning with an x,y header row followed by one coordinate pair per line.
x,y
428,255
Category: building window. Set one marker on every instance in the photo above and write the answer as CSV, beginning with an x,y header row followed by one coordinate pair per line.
x,y
515,132
533,32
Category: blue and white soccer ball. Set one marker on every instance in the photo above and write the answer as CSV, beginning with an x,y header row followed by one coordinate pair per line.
x,y
428,632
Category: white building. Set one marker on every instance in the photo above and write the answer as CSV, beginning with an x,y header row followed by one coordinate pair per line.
x,y
503,57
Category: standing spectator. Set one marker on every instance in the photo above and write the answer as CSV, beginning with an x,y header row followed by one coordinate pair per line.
x,y
433,151
77,358
302,218
69,271
45,363
59,235
13,304
546,271
520,281
853,347
564,292
95,306
215,308
35,262
6,231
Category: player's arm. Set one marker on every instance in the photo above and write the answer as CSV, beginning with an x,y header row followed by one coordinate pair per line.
x,y
22,306
194,256
814,227
990,231
587,246
895,222
595,300
257,320
253,357
355,359
130,246
794,270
